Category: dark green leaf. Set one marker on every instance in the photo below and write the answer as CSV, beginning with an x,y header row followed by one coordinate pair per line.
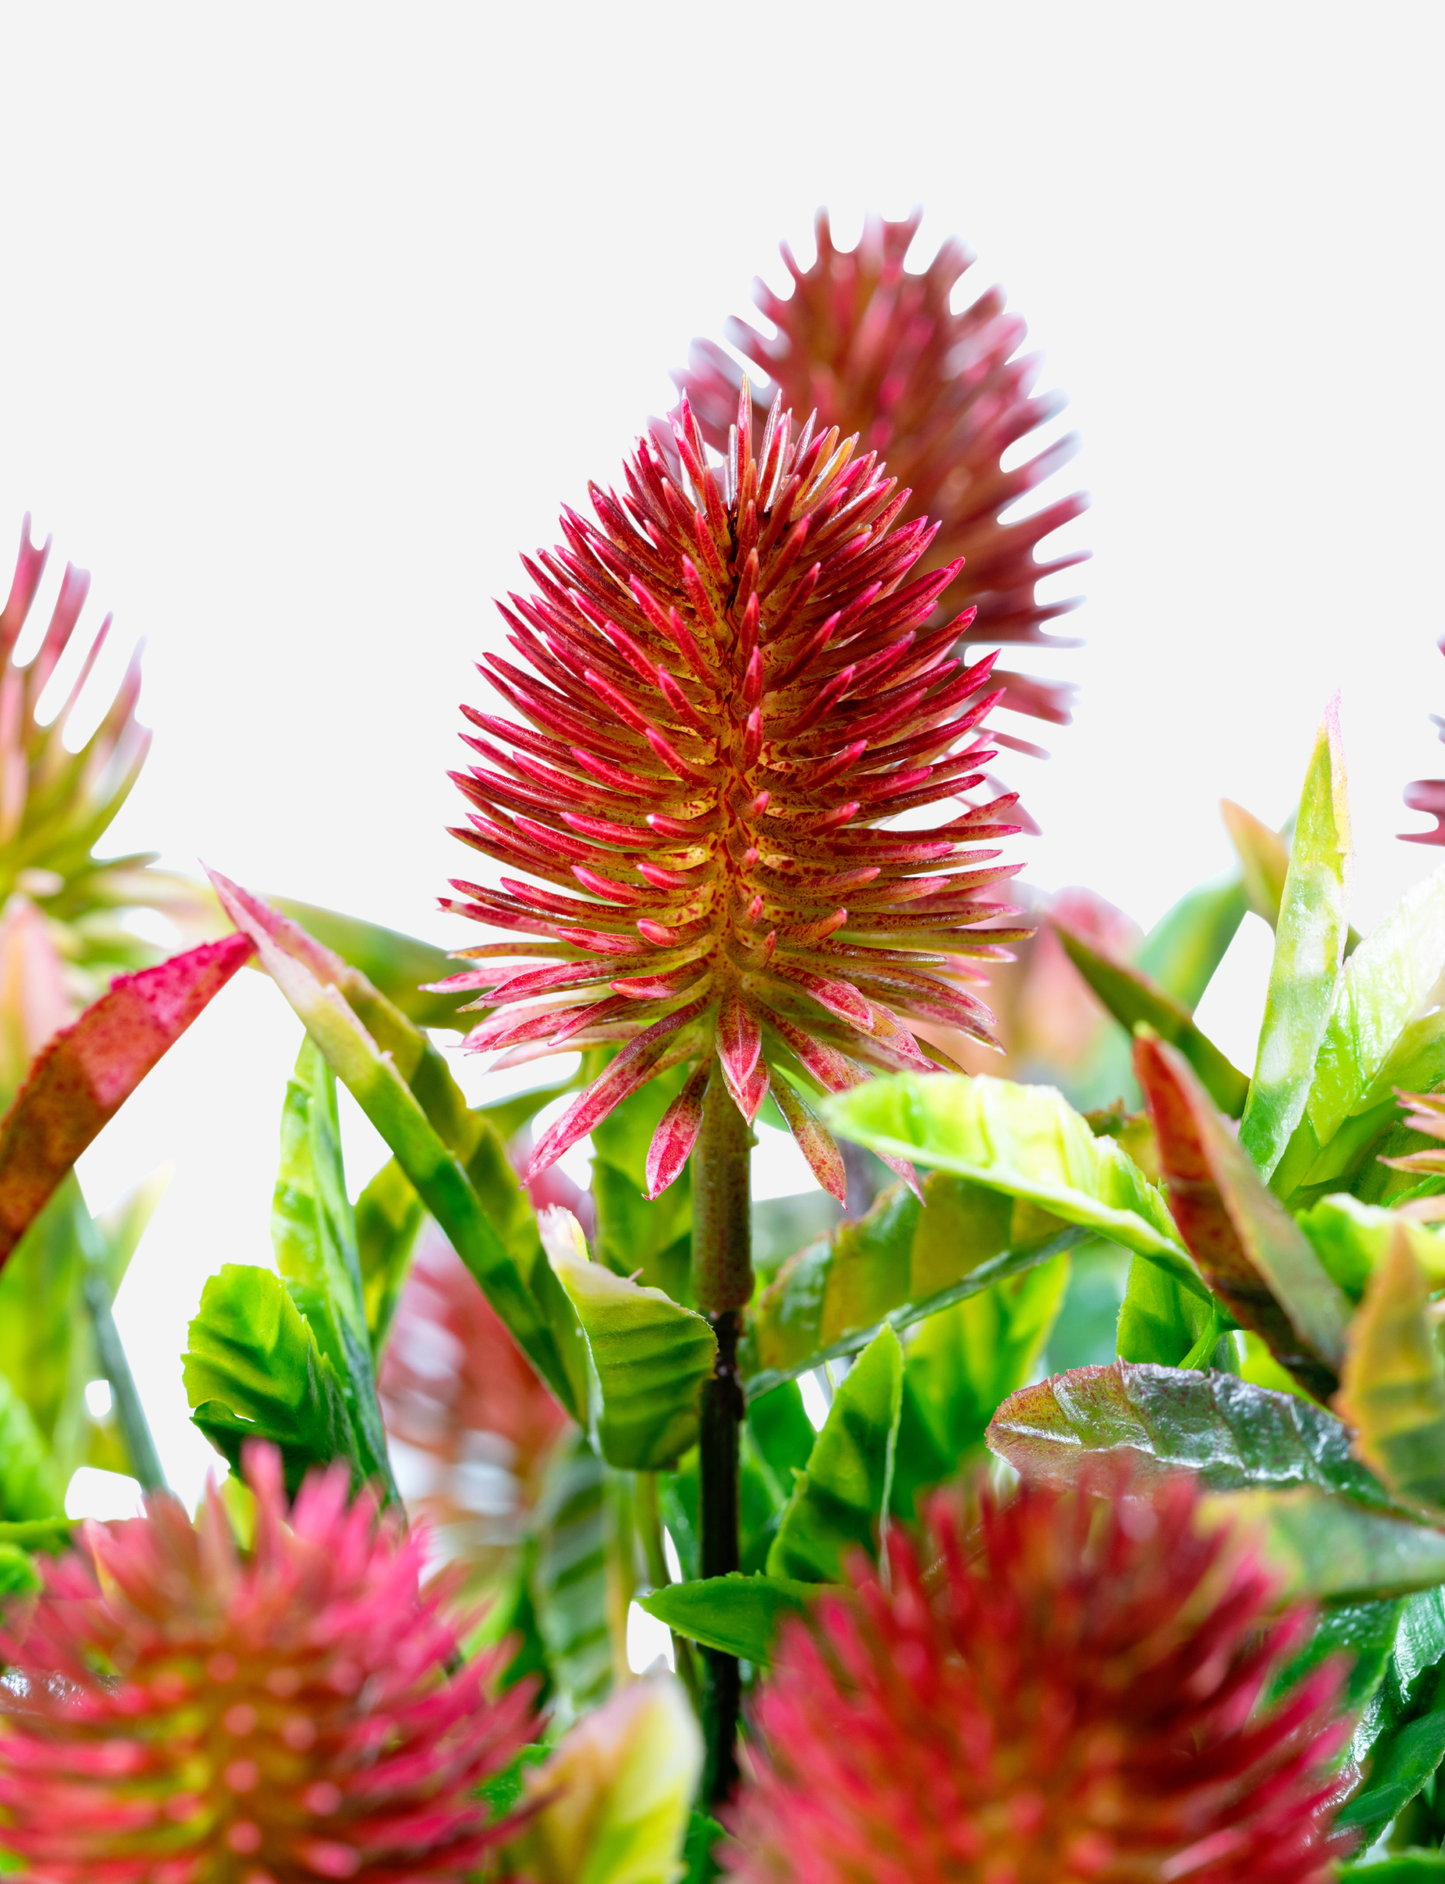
x,y
569,1585
1228,1431
1363,1633
842,1498
703,1834
389,1217
1400,1768
737,1614
18,1575
1131,997
1309,948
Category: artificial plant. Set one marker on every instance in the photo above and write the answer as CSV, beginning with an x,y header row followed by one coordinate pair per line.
x,y
1190,1304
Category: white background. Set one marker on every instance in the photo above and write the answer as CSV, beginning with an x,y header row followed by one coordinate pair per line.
x,y
312,315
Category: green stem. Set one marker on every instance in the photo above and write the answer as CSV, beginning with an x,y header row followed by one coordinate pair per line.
x,y
129,1413
722,1279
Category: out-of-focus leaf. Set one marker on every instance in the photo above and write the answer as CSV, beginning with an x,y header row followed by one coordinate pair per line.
x,y
1399,1769
649,1355
31,1485
782,1431
389,1217
1085,1331
1248,1247
396,965
1024,1141
91,1068
1351,1238
451,1155
1393,1391
313,1232
738,1615
1326,1548
1309,948
1263,859
1189,941
784,1225
960,1365
1400,1867
1131,997
18,1575
614,1800
704,1834
254,1369
632,1234
1160,1321
842,1498
1364,1634
569,1586
900,1263
1230,1433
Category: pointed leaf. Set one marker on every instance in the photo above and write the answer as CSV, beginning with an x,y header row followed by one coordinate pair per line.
x,y
1393,1391
90,1069
1263,858
1248,1247
841,1500
403,1086
1232,1434
253,1369
398,966
1329,1548
738,1615
1131,997
1187,944
649,1355
1309,947
1399,1769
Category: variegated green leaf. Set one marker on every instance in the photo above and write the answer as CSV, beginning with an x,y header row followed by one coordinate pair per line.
x,y
1351,1239
389,1218
1393,1388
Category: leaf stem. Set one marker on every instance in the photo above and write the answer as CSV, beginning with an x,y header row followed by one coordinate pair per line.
x,y
722,1276
129,1413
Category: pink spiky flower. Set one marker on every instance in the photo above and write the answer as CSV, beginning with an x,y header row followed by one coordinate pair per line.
x,y
184,1714
729,691
1072,1693
875,348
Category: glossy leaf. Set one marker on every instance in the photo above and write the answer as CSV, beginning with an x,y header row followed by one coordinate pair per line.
x,y
1024,1141
1131,996
451,1155
1248,1247
398,966
960,1365
1400,1768
737,1614
1189,941
1351,1239
91,1068
842,1499
649,1355
634,1237
254,1368
1364,1635
1326,1548
1229,1432
1393,1391
1309,948
389,1217
313,1232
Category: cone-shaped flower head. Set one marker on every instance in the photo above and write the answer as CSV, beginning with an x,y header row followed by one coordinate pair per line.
x,y
186,1715
727,691
1073,1693
875,348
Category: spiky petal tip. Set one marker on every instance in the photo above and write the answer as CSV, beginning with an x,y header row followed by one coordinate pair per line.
x,y
184,1714
727,690
1071,1693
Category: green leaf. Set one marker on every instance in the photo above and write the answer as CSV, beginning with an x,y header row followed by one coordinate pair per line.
x,y
389,1217
738,1615
1024,1141
1364,1634
1325,1547
253,1369
634,1235
569,1585
1160,1321
1263,858
313,1232
396,965
1085,1332
703,1833
1416,1063
1393,1391
1189,941
1351,1238
842,1498
1230,1433
1401,1867
1400,1768
649,1356
18,1575
1131,997
451,1155
32,1485
1248,1247
1309,948
960,1365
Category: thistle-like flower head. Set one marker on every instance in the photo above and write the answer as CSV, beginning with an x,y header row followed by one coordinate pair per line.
x,y
875,348
1073,1693
727,692
182,1714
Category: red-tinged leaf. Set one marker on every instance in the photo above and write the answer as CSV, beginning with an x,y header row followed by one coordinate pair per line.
x,y
676,1133
739,1037
651,1052
1249,1249
91,1068
815,1141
